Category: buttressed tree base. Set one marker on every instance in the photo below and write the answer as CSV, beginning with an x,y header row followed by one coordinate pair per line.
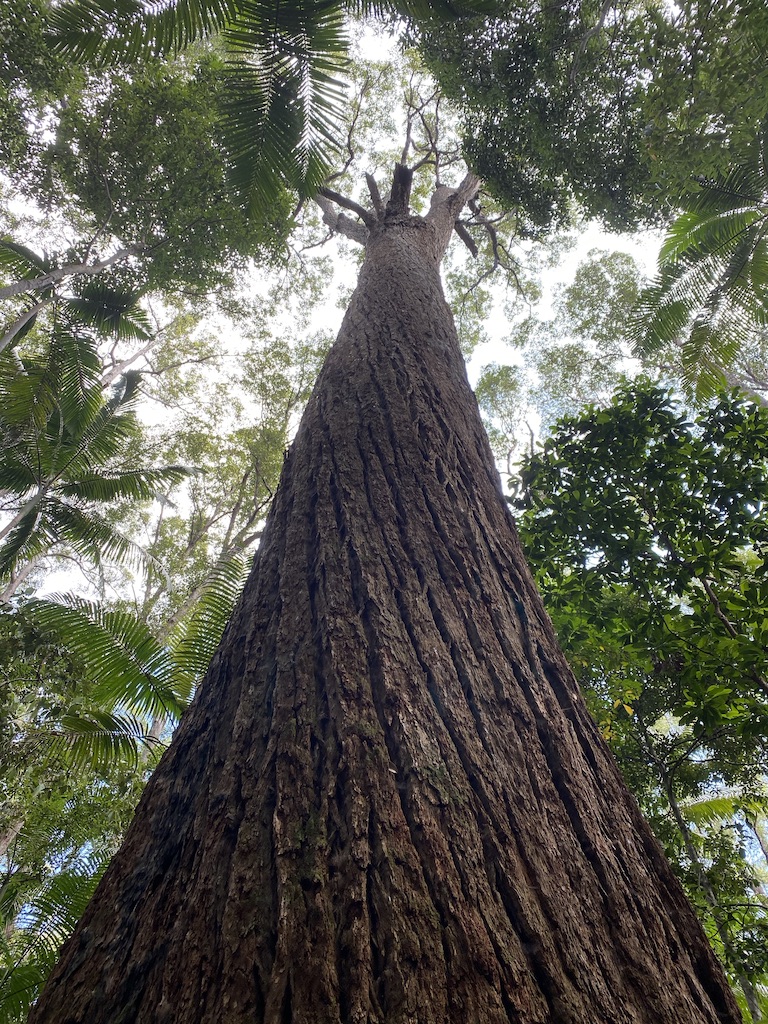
x,y
388,803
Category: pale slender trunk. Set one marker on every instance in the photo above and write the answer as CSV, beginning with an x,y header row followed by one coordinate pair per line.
x,y
60,273
17,579
750,995
29,506
22,322
760,836
119,369
8,837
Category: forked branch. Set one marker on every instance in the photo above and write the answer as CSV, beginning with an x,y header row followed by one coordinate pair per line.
x,y
445,207
337,221
349,204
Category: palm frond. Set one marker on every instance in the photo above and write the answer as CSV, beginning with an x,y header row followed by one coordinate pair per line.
x,y
25,322
24,543
725,807
21,262
282,122
111,311
50,917
710,810
27,395
741,186
72,374
88,532
104,32
136,484
695,233
59,432
53,521
133,670
99,429
711,291
197,637
423,10
15,476
285,103
21,983
97,740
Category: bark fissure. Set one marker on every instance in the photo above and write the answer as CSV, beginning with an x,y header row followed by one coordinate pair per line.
x,y
402,519
514,910
387,803
401,567
367,610
414,826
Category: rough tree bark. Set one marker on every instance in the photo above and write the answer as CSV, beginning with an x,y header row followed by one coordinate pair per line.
x,y
388,803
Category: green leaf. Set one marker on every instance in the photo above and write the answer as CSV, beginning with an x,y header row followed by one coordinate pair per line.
x,y
139,484
20,261
709,296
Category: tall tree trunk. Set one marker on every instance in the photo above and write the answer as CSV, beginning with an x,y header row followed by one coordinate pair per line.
x,y
388,802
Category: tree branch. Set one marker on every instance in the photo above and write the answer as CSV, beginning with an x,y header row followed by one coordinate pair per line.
x,y
466,238
445,207
607,5
336,221
373,189
18,578
349,204
492,234
110,376
68,270
356,111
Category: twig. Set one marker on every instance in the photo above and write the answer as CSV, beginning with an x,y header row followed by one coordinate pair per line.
x,y
352,126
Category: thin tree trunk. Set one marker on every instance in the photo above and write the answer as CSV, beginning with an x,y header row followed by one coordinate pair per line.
x,y
17,579
8,837
388,803
748,989
29,506
760,836
22,322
